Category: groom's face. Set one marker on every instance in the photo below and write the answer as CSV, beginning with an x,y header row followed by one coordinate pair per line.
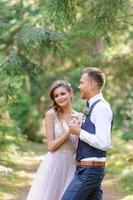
x,y
85,86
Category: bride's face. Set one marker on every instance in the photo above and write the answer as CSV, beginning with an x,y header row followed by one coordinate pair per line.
x,y
62,97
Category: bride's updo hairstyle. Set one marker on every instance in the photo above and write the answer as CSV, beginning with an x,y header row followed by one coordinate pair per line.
x,y
55,85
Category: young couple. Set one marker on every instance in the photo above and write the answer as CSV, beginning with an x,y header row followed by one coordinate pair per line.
x,y
75,164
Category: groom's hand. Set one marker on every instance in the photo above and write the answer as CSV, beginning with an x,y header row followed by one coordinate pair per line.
x,y
74,127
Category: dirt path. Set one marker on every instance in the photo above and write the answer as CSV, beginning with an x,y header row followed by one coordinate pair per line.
x,y
30,165
110,192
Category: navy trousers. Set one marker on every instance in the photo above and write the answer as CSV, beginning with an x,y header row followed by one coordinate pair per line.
x,y
86,184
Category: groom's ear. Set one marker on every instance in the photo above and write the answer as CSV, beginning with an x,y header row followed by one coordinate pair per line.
x,y
93,84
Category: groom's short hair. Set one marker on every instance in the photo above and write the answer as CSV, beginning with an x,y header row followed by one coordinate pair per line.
x,y
96,74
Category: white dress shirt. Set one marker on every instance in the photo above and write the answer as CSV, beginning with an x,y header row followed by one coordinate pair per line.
x,y
101,117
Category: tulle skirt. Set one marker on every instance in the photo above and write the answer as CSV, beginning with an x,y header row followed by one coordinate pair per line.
x,y
54,175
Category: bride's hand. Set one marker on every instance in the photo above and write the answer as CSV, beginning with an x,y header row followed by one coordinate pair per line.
x,y
74,127
75,119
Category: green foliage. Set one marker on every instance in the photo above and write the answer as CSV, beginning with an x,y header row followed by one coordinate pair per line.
x,y
20,160
39,48
9,147
103,16
63,13
122,94
120,162
25,116
13,66
39,41
128,116
127,180
20,72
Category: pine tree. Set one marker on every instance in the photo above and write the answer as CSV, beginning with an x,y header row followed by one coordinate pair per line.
x,y
35,36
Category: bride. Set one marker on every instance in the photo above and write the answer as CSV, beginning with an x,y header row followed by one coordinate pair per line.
x,y
57,169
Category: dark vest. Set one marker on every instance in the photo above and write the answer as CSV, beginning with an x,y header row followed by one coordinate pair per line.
x,y
84,150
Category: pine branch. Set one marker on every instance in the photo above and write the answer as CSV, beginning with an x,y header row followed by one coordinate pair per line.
x,y
36,41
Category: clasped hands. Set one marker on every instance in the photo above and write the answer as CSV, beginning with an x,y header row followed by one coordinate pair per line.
x,y
74,126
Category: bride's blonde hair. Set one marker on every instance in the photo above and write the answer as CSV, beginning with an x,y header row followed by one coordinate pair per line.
x,y
55,85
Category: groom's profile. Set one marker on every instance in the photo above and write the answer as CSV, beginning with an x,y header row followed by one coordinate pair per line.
x,y
94,139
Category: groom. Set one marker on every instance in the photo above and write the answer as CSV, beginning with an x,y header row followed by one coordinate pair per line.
x,y
94,139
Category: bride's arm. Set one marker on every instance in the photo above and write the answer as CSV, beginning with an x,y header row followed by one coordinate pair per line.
x,y
53,144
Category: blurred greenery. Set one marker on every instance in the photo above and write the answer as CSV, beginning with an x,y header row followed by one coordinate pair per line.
x,y
42,41
120,162
19,169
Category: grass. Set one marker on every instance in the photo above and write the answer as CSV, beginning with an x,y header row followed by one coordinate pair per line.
x,y
21,158
120,163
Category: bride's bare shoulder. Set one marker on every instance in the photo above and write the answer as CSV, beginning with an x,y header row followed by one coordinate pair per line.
x,y
50,114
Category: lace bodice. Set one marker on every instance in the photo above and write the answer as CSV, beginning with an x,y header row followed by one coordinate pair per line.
x,y
72,140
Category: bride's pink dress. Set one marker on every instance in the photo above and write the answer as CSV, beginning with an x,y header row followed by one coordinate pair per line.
x,y
57,170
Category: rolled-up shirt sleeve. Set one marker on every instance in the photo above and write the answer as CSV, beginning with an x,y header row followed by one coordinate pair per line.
x,y
101,117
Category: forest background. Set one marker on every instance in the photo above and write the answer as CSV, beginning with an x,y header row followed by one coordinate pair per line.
x,y
45,40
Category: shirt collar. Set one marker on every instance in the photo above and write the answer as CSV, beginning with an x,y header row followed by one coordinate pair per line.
x,y
95,98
